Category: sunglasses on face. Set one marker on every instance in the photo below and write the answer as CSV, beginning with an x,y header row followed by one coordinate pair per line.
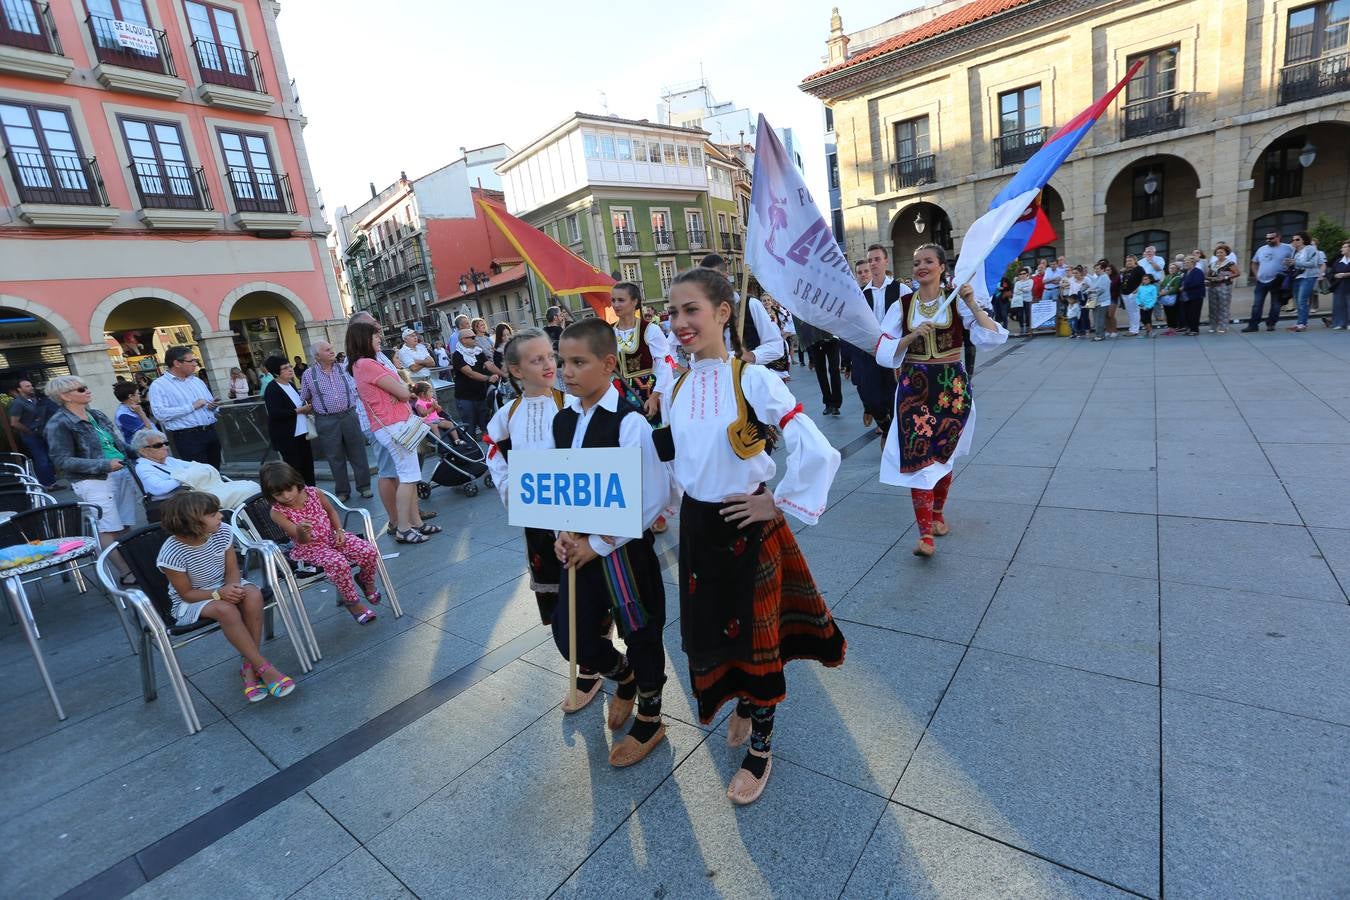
x,y
82,389
158,446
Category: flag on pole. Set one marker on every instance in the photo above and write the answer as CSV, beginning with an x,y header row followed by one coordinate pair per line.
x,y
1015,222
793,253
563,272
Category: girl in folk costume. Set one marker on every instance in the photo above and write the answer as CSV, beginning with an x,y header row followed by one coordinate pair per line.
x,y
934,410
646,367
526,423
748,603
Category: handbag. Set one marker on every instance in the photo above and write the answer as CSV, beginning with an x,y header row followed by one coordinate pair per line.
x,y
409,433
311,430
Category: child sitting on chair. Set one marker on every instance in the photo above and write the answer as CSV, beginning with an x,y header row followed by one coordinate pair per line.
x,y
198,559
429,409
312,524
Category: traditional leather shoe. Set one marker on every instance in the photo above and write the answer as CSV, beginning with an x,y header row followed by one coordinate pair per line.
x,y
576,700
619,711
746,788
629,750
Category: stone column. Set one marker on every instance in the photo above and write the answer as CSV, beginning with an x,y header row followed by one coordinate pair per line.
x,y
92,363
218,356
332,330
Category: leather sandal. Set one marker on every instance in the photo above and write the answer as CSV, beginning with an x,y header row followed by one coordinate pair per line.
x,y
629,750
619,711
429,529
576,700
743,780
411,536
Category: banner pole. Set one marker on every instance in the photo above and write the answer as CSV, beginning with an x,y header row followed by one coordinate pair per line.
x,y
572,634
740,309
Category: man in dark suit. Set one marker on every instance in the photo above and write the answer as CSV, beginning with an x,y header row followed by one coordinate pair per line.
x,y
876,384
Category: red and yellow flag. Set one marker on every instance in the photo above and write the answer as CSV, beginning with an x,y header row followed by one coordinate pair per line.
x,y
562,271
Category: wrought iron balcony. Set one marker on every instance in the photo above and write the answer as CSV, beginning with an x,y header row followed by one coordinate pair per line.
x,y
58,178
1018,146
170,185
726,239
417,270
229,66
1315,78
625,240
1153,116
664,239
913,170
736,242
261,192
698,238
29,25
110,49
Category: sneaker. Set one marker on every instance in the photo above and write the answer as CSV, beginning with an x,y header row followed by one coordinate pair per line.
x,y
1223,331
1213,330
1297,328
1250,329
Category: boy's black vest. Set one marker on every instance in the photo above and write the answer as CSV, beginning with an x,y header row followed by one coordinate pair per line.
x,y
603,430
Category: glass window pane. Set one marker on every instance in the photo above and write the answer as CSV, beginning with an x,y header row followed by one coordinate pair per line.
x,y
20,16
607,146
589,146
135,131
625,148
226,28
199,22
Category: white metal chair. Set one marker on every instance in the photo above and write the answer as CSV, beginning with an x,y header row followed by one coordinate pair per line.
x,y
253,521
154,608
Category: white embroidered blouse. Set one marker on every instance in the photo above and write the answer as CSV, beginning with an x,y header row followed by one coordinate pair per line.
x,y
707,469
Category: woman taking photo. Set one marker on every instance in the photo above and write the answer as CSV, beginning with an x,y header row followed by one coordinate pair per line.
x,y
86,448
385,397
288,417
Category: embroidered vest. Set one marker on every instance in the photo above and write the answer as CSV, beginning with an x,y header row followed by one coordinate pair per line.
x,y
603,431
747,434
638,362
948,339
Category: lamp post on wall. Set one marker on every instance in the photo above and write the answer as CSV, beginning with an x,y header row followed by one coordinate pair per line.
x,y
478,280
1308,155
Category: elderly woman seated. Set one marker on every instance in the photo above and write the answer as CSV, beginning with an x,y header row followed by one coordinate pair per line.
x,y
161,474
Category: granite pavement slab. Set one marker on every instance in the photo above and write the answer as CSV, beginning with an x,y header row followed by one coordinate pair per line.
x,y
1276,559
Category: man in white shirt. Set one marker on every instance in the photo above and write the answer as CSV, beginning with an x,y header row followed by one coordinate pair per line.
x,y
415,357
1153,264
184,406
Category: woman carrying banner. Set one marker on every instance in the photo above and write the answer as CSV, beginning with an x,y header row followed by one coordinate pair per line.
x,y
934,411
748,603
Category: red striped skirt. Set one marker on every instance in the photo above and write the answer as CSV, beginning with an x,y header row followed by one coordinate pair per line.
x,y
740,623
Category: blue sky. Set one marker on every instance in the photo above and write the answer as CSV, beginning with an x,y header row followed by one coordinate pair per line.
x,y
403,84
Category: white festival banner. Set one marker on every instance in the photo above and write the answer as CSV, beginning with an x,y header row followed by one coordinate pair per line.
x,y
793,254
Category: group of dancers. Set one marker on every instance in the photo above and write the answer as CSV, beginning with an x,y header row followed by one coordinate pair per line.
x,y
748,602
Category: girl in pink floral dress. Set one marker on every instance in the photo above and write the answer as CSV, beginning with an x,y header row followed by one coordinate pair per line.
x,y
319,539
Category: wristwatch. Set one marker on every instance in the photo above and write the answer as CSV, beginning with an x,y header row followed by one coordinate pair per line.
x,y
215,595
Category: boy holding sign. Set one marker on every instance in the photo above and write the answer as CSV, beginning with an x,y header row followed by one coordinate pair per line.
x,y
613,572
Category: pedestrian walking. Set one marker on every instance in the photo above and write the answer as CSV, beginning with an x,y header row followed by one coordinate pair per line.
x,y
183,404
822,352
332,394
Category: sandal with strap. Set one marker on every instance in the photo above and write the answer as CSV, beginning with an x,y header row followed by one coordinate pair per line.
x,y
363,614
429,529
281,685
373,597
253,687
411,536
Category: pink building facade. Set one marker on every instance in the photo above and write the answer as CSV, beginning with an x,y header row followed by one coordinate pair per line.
x,y
155,190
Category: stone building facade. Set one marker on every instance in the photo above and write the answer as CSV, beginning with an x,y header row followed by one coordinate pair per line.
x,y
1238,123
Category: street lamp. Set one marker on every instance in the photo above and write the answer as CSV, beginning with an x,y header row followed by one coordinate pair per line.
x,y
478,280
1308,155
1151,183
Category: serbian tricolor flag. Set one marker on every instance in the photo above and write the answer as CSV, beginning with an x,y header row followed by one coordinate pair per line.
x,y
1015,222
563,272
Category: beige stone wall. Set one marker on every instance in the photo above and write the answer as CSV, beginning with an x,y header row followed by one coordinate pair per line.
x,y
1229,66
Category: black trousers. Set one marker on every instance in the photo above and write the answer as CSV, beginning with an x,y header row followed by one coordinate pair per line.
x,y
825,360
297,453
197,444
595,651
1190,313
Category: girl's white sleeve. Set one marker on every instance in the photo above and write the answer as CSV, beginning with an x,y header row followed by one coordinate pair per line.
x,y
663,361
811,460
890,353
498,430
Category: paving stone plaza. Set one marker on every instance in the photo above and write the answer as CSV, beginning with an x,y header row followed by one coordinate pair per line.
x,y
1125,672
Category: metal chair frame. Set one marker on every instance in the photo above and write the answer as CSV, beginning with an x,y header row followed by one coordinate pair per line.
x,y
155,632
266,531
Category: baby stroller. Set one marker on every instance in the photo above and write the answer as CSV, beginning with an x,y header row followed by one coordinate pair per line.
x,y
460,464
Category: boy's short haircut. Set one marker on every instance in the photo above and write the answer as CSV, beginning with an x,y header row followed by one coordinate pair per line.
x,y
182,514
596,334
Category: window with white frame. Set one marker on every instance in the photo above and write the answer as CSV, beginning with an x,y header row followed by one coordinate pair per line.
x,y
666,271
624,148
631,271
573,225
640,151
682,154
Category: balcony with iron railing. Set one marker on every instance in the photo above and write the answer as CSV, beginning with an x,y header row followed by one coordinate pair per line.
x,y
29,44
1153,116
625,240
417,270
663,238
1315,78
161,185
736,242
726,240
913,170
111,48
229,66
61,179
1018,146
261,192
698,238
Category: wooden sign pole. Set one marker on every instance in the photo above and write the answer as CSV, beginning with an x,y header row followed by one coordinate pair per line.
x,y
572,635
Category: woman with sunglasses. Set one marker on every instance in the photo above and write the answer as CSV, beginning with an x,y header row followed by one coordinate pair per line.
x,y
162,474
87,448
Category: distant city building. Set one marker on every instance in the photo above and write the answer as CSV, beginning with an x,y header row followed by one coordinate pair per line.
x,y
155,191
1237,124
692,105
636,199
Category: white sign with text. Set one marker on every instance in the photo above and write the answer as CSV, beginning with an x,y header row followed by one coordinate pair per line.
x,y
136,37
590,491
